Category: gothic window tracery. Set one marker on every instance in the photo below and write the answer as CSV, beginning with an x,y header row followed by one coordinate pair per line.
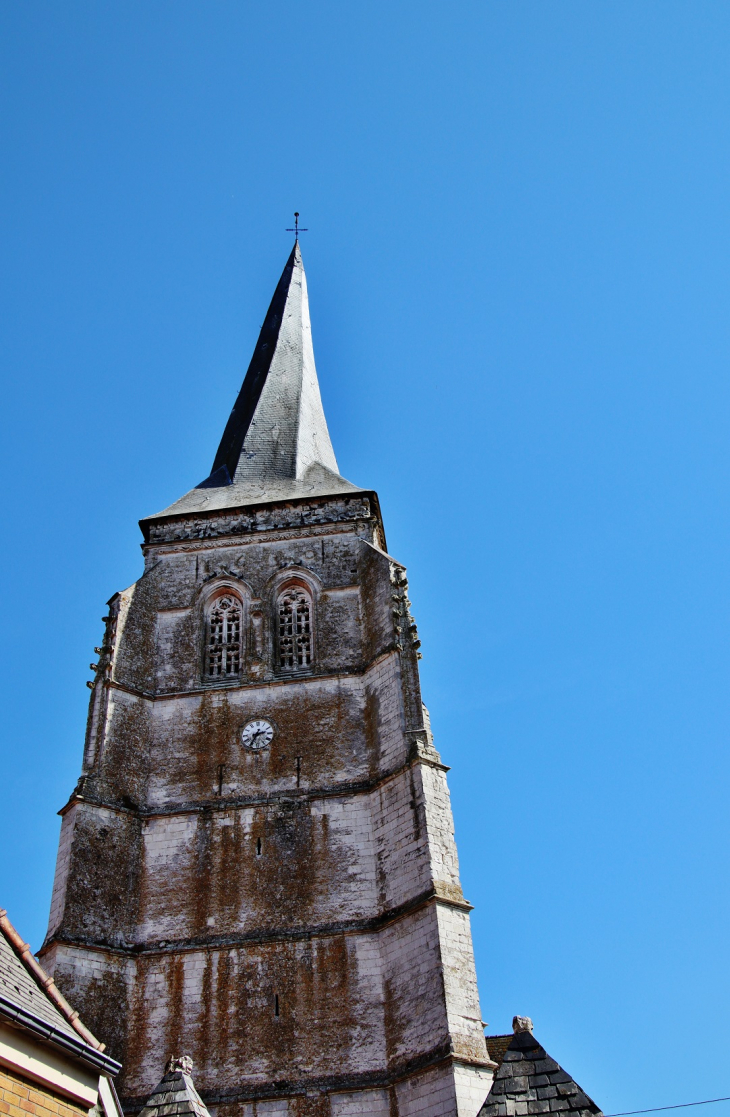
x,y
294,615
223,638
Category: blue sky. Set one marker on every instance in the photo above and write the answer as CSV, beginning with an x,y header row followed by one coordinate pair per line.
x,y
518,274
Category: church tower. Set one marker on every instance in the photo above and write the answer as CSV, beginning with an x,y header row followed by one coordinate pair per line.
x,y
257,867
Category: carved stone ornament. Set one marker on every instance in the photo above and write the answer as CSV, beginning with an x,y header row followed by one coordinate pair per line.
x,y
182,1063
522,1024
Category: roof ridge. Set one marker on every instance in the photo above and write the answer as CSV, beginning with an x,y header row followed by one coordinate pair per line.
x,y
46,982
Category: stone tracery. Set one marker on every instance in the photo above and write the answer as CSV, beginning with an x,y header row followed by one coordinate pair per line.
x,y
223,643
295,629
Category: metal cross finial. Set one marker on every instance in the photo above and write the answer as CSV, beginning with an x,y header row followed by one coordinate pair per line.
x,y
296,230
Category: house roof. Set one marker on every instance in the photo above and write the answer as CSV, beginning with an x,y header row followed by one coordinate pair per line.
x,y
29,999
529,1082
276,445
175,1095
497,1045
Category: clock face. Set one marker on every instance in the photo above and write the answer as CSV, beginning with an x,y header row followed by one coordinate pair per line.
x,y
257,735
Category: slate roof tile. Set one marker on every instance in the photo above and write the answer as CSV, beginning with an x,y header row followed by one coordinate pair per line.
x,y
30,1001
175,1095
27,986
18,986
528,1082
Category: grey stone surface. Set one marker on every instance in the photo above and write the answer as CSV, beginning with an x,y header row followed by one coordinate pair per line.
x,y
521,1086
546,1066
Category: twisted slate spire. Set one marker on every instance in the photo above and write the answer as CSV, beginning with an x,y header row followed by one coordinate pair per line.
x,y
277,428
276,445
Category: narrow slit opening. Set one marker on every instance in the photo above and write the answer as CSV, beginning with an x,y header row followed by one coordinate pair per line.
x,y
258,847
276,1004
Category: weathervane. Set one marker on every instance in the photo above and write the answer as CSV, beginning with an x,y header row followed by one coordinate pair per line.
x,y
296,230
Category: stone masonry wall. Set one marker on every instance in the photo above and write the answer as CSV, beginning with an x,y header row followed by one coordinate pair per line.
x,y
292,918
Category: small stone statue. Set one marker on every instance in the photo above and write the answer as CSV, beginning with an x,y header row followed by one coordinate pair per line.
x,y
183,1063
522,1024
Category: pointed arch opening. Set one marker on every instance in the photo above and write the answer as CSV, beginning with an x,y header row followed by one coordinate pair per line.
x,y
295,629
223,635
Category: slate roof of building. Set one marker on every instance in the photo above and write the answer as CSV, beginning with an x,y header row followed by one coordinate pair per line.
x,y
276,445
175,1096
29,999
528,1082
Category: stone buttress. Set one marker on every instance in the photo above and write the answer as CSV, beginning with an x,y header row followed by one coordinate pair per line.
x,y
258,863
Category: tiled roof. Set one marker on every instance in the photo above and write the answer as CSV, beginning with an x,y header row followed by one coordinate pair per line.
x,y
497,1045
18,985
175,1095
29,999
530,1082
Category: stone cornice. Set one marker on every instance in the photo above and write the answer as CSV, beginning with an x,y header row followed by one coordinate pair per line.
x,y
240,802
337,527
164,947
399,1070
254,684
262,518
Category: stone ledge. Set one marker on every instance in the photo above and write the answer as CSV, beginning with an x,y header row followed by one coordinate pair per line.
x,y
226,942
260,517
335,527
326,1084
254,684
242,802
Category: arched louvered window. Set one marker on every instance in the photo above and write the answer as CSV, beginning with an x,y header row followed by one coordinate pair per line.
x,y
294,608
223,638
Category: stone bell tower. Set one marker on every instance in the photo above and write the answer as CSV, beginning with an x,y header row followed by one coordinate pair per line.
x,y
257,867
